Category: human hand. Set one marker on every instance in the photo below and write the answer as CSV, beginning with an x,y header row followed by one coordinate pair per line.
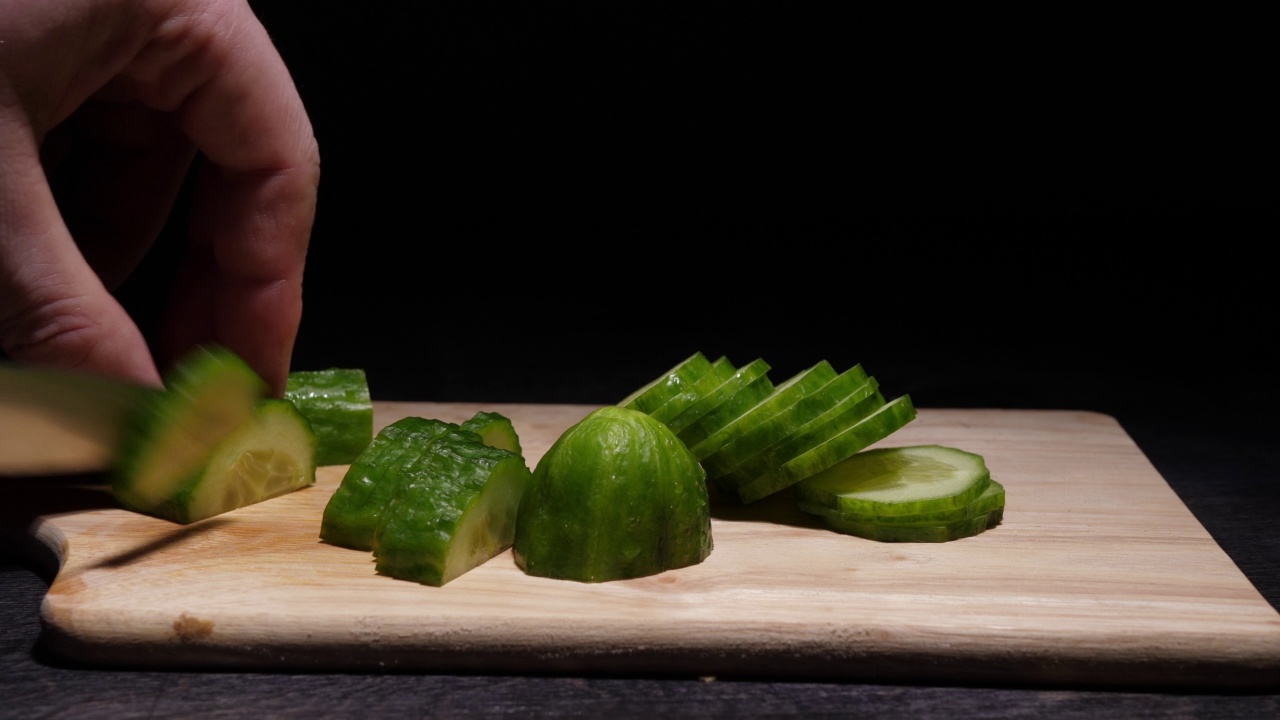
x,y
104,105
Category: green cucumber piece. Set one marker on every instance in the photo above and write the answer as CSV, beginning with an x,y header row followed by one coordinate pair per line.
x,y
886,420
917,483
209,394
782,397
272,455
351,516
336,402
944,532
654,393
845,413
617,496
726,412
721,393
721,370
496,430
454,509
992,498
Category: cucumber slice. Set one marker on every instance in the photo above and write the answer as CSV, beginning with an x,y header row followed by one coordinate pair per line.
x,y
336,403
721,370
617,496
209,394
653,394
945,532
351,516
845,413
272,455
992,498
454,510
738,402
919,483
496,430
783,396
886,420
721,393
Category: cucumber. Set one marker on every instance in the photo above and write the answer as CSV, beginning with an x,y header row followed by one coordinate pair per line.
x,y
337,404
918,483
351,516
746,388
495,430
992,498
616,496
722,392
886,420
945,532
453,510
168,439
721,370
848,411
272,455
782,397
653,394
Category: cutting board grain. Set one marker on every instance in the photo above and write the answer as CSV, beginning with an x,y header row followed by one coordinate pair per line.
x,y
1098,576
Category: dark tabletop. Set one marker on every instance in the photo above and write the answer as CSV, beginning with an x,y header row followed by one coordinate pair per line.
x,y
552,205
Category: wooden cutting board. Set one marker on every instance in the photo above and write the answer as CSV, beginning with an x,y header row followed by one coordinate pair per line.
x,y
1099,575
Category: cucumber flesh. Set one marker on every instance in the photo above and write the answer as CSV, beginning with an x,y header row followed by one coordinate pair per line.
x,y
653,394
886,420
453,510
209,394
272,455
336,402
782,397
899,482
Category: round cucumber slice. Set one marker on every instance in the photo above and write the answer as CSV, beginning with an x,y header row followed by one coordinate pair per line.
x,y
738,402
844,413
617,496
992,498
783,396
916,483
945,532
722,392
209,394
721,370
875,427
654,393
272,455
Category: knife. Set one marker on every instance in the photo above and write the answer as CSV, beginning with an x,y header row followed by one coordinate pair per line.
x,y
62,421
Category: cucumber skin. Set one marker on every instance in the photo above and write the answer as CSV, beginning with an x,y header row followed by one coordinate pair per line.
x,y
352,514
187,390
721,370
716,395
886,420
336,402
617,496
782,397
739,401
496,430
947,532
653,394
417,534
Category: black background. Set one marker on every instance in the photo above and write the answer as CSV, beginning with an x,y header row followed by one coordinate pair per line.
x,y
555,203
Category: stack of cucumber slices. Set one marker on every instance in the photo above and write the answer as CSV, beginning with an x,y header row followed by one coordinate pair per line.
x,y
812,431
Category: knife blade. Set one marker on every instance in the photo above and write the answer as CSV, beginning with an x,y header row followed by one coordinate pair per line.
x,y
62,421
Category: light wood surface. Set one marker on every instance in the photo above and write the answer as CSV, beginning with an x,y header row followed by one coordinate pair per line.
x,y
1099,575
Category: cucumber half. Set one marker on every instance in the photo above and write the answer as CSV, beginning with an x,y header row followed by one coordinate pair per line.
x,y
209,394
336,402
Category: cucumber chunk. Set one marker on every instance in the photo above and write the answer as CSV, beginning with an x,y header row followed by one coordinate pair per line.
x,y
272,455
886,420
352,514
617,496
496,430
169,438
920,484
336,402
453,510
653,394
